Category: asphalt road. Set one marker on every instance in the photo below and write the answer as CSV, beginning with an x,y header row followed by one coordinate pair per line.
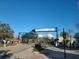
x,y
52,52
24,51
20,51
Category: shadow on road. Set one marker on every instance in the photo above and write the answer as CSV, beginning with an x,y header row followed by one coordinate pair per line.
x,y
4,54
58,55
69,48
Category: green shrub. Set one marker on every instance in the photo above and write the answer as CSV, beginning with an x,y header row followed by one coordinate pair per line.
x,y
44,46
34,49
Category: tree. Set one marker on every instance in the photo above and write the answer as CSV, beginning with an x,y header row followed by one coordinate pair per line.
x,y
76,35
77,38
5,31
65,34
30,35
77,23
47,38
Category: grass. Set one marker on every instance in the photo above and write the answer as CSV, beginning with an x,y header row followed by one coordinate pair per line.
x,y
76,51
44,46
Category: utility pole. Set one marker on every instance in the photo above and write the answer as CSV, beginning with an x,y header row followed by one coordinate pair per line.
x,y
56,43
19,35
56,33
64,36
70,37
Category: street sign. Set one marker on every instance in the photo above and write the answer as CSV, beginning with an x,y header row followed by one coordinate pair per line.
x,y
46,30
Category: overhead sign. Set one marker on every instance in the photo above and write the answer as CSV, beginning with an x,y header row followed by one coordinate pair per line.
x,y
46,30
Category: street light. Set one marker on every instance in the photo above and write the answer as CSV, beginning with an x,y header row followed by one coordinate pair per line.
x,y
70,37
64,36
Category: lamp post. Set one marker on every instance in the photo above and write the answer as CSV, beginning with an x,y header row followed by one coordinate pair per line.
x,y
64,36
56,33
70,37
56,36
19,36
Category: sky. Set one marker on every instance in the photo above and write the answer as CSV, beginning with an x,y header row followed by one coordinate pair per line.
x,y
25,15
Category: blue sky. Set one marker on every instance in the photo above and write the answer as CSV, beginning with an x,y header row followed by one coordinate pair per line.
x,y
24,15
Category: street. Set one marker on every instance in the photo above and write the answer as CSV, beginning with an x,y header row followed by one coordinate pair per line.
x,y
54,52
24,51
20,51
